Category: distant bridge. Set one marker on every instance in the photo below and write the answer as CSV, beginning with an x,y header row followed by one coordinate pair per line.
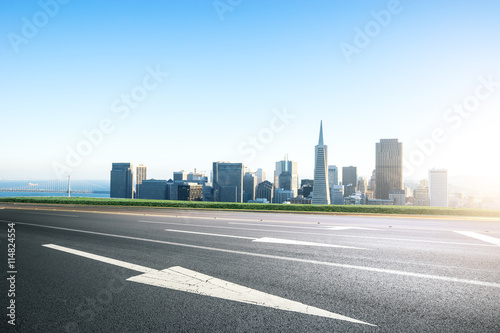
x,y
60,186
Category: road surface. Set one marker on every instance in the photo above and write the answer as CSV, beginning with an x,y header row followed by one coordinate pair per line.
x,y
113,269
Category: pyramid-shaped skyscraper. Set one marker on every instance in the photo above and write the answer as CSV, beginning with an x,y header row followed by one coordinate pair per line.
x,y
321,192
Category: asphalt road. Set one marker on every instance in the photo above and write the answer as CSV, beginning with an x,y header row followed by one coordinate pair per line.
x,y
109,269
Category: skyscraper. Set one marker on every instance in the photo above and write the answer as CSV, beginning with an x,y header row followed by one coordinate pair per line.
x,y
438,187
388,166
261,175
349,180
228,181
249,185
321,190
333,175
140,175
122,181
292,181
265,190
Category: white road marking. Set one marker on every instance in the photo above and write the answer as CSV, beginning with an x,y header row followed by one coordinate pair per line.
x,y
296,227
296,242
316,233
347,228
208,234
100,258
63,215
267,239
484,238
182,279
270,256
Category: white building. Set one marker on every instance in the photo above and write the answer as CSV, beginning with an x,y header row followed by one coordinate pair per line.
x,y
438,187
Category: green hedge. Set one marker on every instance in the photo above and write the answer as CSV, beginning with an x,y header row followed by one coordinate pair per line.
x,y
360,209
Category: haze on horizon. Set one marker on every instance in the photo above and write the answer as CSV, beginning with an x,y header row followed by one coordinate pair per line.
x,y
176,86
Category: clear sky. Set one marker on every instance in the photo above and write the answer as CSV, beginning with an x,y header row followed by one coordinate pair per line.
x,y
368,69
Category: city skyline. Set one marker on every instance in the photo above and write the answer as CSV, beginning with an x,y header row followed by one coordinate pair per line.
x,y
128,81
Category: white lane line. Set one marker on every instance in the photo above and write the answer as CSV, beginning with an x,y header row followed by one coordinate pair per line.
x,y
484,238
270,256
316,233
267,239
102,259
208,234
63,215
182,279
296,242
296,227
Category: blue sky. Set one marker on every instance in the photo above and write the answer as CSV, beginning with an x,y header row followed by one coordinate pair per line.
x,y
228,78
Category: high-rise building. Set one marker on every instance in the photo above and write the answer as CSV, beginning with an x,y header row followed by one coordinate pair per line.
x,y
190,192
152,189
333,175
265,190
321,190
388,166
140,175
421,195
122,181
292,182
337,195
398,196
261,175
249,185
362,185
228,181
349,180
281,195
180,175
438,187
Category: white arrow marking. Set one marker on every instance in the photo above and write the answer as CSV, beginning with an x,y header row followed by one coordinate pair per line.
x,y
484,238
346,228
182,279
266,239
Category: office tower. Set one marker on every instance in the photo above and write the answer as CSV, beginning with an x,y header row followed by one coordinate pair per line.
x,y
196,176
190,192
421,196
388,166
281,195
438,187
152,189
362,185
140,175
180,175
249,185
261,175
321,190
265,190
333,175
349,180
372,183
293,179
307,182
122,181
306,190
285,181
228,181
337,195
398,196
